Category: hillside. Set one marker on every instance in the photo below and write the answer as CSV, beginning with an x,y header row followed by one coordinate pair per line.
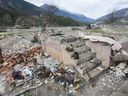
x,y
123,13
116,16
20,12
20,6
77,17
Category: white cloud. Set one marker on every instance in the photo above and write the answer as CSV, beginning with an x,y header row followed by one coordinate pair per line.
x,y
89,8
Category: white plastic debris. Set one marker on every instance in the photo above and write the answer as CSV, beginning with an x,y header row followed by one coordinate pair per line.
x,y
51,63
17,68
46,81
39,59
26,72
46,54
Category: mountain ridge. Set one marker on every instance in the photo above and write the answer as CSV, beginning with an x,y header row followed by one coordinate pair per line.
x,y
122,13
20,6
60,12
24,7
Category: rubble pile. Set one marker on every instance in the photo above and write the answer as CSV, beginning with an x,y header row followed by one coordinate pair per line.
x,y
15,44
50,70
10,60
121,70
25,61
108,83
26,67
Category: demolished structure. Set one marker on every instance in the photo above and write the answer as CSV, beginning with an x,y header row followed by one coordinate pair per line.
x,y
89,55
61,57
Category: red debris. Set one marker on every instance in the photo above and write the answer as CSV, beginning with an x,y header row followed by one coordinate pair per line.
x,y
17,58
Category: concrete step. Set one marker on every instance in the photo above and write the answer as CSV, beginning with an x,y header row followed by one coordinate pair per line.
x,y
93,74
89,68
96,61
85,57
81,50
78,44
69,39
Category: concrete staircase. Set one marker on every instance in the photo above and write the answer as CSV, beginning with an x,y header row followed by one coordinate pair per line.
x,y
88,65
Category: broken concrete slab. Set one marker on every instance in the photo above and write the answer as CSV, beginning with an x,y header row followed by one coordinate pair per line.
x,y
120,58
115,45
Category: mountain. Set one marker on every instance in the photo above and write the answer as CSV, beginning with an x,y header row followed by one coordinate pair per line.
x,y
20,6
20,12
23,7
123,13
77,17
11,11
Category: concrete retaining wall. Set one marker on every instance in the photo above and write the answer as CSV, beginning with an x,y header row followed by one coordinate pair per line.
x,y
57,51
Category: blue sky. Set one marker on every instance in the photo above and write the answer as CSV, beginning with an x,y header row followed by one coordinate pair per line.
x,y
90,8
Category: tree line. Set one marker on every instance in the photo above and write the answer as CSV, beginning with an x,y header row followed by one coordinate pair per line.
x,y
47,18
